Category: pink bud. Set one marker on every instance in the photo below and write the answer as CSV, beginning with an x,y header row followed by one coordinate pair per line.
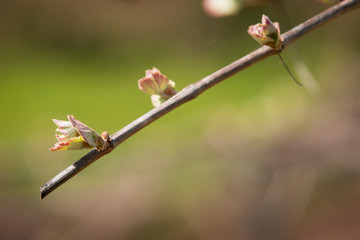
x,y
266,33
154,82
105,135
157,84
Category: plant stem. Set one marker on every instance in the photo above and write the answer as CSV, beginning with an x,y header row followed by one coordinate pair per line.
x,y
193,90
287,68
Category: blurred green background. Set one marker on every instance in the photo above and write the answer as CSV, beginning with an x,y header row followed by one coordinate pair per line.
x,y
255,157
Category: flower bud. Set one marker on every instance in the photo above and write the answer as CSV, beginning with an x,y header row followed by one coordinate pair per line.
x,y
266,33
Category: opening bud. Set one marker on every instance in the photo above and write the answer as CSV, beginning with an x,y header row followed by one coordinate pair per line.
x,y
157,85
75,135
266,33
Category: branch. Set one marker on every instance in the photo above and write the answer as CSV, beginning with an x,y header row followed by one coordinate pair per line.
x,y
193,90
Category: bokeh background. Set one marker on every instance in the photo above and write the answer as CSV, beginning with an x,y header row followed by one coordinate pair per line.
x,y
255,157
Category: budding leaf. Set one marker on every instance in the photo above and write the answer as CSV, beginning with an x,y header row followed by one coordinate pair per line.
x,y
74,135
157,85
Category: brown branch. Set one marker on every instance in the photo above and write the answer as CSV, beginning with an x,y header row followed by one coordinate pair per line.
x,y
193,90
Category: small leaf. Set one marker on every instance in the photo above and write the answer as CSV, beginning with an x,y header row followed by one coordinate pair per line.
x,y
65,130
87,133
76,143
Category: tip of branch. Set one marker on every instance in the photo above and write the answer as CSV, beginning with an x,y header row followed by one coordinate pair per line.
x,y
43,192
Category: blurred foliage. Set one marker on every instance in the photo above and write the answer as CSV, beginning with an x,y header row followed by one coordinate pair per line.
x,y
255,157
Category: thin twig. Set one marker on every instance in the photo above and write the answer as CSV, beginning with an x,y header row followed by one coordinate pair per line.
x,y
193,90
287,68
